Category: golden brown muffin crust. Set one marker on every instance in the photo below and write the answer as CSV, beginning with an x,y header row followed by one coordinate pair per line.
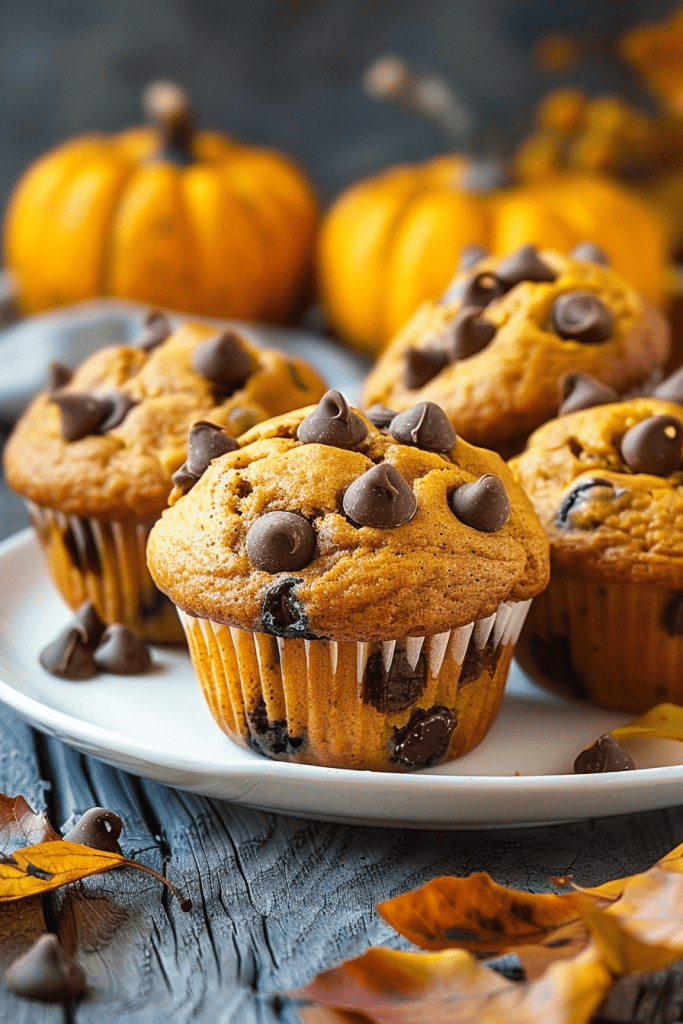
x,y
428,575
511,386
605,520
126,472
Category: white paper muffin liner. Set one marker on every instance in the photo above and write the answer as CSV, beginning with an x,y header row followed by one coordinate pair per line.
x,y
104,562
313,700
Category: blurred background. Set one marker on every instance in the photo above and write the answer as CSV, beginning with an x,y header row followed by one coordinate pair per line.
x,y
288,73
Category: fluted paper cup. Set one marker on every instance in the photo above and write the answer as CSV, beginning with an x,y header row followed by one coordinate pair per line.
x,y
393,706
104,562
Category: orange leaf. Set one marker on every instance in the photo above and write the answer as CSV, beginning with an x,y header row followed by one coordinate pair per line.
x,y
46,866
664,722
452,987
656,52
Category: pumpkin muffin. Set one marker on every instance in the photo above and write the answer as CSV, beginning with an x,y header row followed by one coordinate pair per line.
x,y
94,454
607,484
352,592
492,350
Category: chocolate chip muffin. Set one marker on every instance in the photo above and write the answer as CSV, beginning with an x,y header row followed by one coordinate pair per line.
x,y
607,484
492,350
351,587
94,454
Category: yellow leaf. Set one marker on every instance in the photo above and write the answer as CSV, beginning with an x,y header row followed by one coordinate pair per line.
x,y
664,721
46,866
656,52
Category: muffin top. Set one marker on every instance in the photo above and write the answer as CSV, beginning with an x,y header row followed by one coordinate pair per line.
x,y
492,350
325,524
607,484
106,442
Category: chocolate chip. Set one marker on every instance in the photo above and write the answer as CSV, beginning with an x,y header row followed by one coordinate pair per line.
x,y
380,415
332,422
282,613
81,414
653,446
58,375
523,265
122,652
581,316
155,330
87,618
396,689
468,334
271,738
471,254
98,828
673,615
483,504
82,547
588,490
46,972
183,479
280,542
581,391
70,655
482,289
605,755
671,388
424,426
206,442
380,498
589,252
224,361
120,406
424,739
422,365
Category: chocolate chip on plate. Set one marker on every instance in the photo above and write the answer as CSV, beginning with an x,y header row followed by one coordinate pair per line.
x,y
654,446
70,655
380,498
582,316
332,422
424,426
605,755
482,505
122,652
280,542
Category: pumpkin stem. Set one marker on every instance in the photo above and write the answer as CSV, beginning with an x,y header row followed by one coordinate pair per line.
x,y
391,78
168,107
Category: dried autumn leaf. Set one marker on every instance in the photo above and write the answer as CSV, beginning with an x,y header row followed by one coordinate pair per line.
x,y
477,914
20,826
451,987
656,52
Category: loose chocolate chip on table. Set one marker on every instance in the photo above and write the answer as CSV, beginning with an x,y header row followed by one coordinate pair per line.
x,y
424,739
70,655
424,426
155,329
605,755
280,542
468,334
581,391
524,264
98,828
380,415
422,365
587,490
332,422
589,252
81,414
380,498
671,388
581,316
471,254
58,375
482,289
122,651
673,615
206,442
482,505
224,361
46,972
653,446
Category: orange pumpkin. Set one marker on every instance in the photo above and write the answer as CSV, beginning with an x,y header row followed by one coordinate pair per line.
x,y
392,241
169,217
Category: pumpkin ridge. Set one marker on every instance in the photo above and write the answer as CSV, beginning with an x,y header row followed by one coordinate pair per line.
x,y
107,248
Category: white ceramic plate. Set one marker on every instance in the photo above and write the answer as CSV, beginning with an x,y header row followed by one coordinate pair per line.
x,y
157,726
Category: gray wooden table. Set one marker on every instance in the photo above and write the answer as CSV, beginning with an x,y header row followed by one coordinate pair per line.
x,y
275,899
